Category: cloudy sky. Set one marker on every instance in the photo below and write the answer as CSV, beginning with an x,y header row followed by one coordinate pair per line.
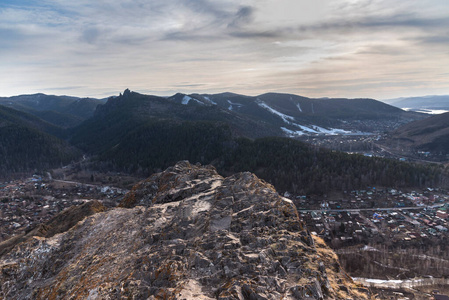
x,y
317,48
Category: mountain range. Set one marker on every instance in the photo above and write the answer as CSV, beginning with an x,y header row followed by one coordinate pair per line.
x,y
427,104
29,144
429,135
62,111
295,115
143,134
252,117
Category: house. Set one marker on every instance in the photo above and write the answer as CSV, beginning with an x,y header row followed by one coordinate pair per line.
x,y
441,228
442,214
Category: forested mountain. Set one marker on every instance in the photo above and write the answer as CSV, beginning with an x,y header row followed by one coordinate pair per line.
x,y
297,115
145,134
12,116
64,111
300,168
131,112
288,164
431,134
25,147
253,117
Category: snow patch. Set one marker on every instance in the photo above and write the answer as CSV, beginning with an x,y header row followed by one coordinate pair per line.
x,y
407,283
427,110
292,133
369,248
309,129
186,99
211,101
299,107
287,119
304,130
331,131
313,129
231,104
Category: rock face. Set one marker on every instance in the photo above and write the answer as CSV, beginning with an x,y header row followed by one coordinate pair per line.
x,y
185,233
58,224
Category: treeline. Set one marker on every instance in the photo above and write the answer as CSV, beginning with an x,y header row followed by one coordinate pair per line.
x,y
141,135
300,168
159,144
288,164
24,150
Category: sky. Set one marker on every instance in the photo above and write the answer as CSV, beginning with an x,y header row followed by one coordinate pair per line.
x,y
378,49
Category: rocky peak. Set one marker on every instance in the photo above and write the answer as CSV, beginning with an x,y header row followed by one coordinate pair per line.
x,y
176,183
114,103
185,233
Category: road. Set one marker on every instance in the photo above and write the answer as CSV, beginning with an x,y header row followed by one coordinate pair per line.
x,y
399,155
366,209
74,182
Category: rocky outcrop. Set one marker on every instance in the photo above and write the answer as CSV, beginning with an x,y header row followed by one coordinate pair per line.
x,y
58,224
185,233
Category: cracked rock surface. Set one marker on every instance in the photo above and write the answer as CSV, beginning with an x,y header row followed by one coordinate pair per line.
x,y
185,233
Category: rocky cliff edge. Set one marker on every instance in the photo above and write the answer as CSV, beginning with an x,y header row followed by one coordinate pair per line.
x,y
185,233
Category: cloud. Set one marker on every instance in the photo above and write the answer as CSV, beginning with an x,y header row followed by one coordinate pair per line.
x,y
189,36
190,85
217,45
442,40
392,22
216,22
63,88
244,16
205,7
253,34
90,35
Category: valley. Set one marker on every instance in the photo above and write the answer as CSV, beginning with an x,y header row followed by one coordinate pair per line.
x,y
26,203
371,225
357,182
227,150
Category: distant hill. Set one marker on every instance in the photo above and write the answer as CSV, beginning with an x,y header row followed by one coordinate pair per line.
x,y
423,104
124,115
64,111
297,115
270,114
251,117
13,116
431,134
28,144
145,134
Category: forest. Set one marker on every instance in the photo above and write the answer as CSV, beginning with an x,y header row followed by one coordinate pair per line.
x,y
24,150
288,164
